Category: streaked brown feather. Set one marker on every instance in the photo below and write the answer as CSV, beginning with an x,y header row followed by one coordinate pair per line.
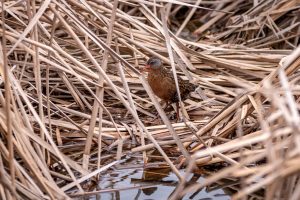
x,y
163,85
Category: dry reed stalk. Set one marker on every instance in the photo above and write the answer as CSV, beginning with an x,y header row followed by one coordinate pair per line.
x,y
71,92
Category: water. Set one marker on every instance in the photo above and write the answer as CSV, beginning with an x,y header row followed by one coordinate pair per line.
x,y
149,184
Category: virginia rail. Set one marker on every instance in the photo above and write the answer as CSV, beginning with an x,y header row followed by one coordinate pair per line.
x,y
162,83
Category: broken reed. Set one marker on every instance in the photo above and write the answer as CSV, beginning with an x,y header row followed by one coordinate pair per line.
x,y
73,101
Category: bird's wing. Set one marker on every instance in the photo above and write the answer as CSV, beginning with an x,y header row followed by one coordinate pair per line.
x,y
169,82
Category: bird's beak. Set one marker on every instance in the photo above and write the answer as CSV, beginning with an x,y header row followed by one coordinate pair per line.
x,y
146,68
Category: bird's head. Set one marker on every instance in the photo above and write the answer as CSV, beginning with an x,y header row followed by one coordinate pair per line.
x,y
153,63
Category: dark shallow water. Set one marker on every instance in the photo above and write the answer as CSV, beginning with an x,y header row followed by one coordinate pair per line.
x,y
149,184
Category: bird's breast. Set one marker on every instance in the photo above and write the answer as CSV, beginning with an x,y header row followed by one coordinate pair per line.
x,y
161,86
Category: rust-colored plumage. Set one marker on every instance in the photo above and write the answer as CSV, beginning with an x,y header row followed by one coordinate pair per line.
x,y
162,82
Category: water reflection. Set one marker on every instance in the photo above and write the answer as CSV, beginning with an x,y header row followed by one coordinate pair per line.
x,y
156,183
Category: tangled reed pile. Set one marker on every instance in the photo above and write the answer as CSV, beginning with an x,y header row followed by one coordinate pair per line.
x,y
73,102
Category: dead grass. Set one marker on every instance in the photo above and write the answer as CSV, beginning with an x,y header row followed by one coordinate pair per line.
x,y
73,102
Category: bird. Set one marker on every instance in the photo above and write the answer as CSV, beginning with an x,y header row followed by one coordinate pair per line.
x,y
162,83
